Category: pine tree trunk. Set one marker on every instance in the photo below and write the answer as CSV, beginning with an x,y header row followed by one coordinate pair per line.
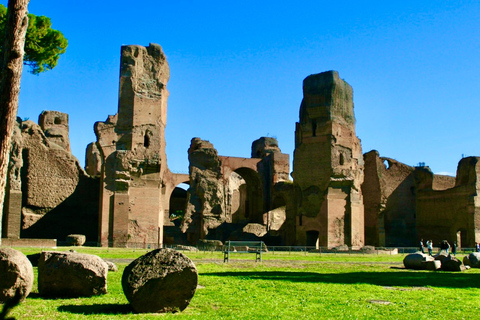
x,y
11,73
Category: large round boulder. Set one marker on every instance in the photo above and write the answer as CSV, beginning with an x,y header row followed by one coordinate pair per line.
x,y
71,274
16,274
451,263
163,280
417,261
472,260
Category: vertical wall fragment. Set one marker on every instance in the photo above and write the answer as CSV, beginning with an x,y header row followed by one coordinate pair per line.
x,y
328,165
132,146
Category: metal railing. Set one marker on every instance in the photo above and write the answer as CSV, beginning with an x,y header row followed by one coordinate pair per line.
x,y
274,249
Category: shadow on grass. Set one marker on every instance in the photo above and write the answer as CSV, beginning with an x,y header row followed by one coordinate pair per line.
x,y
394,279
109,308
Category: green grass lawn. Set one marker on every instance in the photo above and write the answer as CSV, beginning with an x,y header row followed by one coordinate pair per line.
x,y
286,286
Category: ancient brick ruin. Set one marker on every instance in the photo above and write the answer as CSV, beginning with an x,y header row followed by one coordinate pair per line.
x,y
127,196
48,194
328,165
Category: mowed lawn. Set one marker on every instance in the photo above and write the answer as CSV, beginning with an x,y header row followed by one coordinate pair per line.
x,y
285,286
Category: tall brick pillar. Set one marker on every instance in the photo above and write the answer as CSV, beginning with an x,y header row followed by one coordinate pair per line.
x,y
328,165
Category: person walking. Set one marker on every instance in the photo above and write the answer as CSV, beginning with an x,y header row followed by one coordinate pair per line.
x,y
454,247
429,247
421,246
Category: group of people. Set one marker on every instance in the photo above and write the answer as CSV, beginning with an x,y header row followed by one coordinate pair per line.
x,y
444,245
477,246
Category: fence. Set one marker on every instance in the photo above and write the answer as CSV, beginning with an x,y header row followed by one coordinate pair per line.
x,y
270,249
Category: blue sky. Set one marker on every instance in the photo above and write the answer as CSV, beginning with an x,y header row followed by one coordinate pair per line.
x,y
237,70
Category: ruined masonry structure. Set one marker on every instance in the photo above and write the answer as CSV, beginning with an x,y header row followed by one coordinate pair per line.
x,y
48,194
328,165
232,198
129,198
404,204
135,180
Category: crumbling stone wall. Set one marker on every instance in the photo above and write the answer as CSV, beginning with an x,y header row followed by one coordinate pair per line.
x,y
404,203
12,217
48,193
55,127
451,214
206,197
328,164
389,200
230,198
132,147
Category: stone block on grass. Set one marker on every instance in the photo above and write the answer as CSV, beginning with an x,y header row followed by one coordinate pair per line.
x,y
16,274
417,261
71,274
77,240
163,280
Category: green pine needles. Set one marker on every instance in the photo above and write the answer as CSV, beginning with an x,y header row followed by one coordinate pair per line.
x,y
43,45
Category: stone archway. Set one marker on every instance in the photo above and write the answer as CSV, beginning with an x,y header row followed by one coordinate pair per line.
x,y
251,204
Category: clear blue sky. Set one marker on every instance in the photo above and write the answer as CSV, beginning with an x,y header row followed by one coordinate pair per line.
x,y
237,69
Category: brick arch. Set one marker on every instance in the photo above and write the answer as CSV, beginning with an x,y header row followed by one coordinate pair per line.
x,y
253,197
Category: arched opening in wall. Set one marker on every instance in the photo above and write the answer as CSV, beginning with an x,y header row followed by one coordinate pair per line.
x,y
146,140
312,238
178,203
462,238
57,120
250,195
173,220
342,159
238,189
386,163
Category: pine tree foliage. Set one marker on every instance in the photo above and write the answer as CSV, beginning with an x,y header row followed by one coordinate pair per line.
x,y
43,45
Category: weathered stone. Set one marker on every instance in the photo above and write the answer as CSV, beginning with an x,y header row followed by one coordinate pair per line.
x,y
417,261
388,183
186,248
163,280
472,260
205,244
264,146
67,274
75,239
451,263
342,247
55,126
275,218
111,266
52,196
16,274
433,265
135,177
93,160
328,164
441,256
205,198
256,229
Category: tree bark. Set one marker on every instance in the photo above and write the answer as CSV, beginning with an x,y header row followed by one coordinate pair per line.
x,y
11,73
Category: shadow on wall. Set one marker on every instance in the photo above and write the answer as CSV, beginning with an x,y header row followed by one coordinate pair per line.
x,y
400,216
78,214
